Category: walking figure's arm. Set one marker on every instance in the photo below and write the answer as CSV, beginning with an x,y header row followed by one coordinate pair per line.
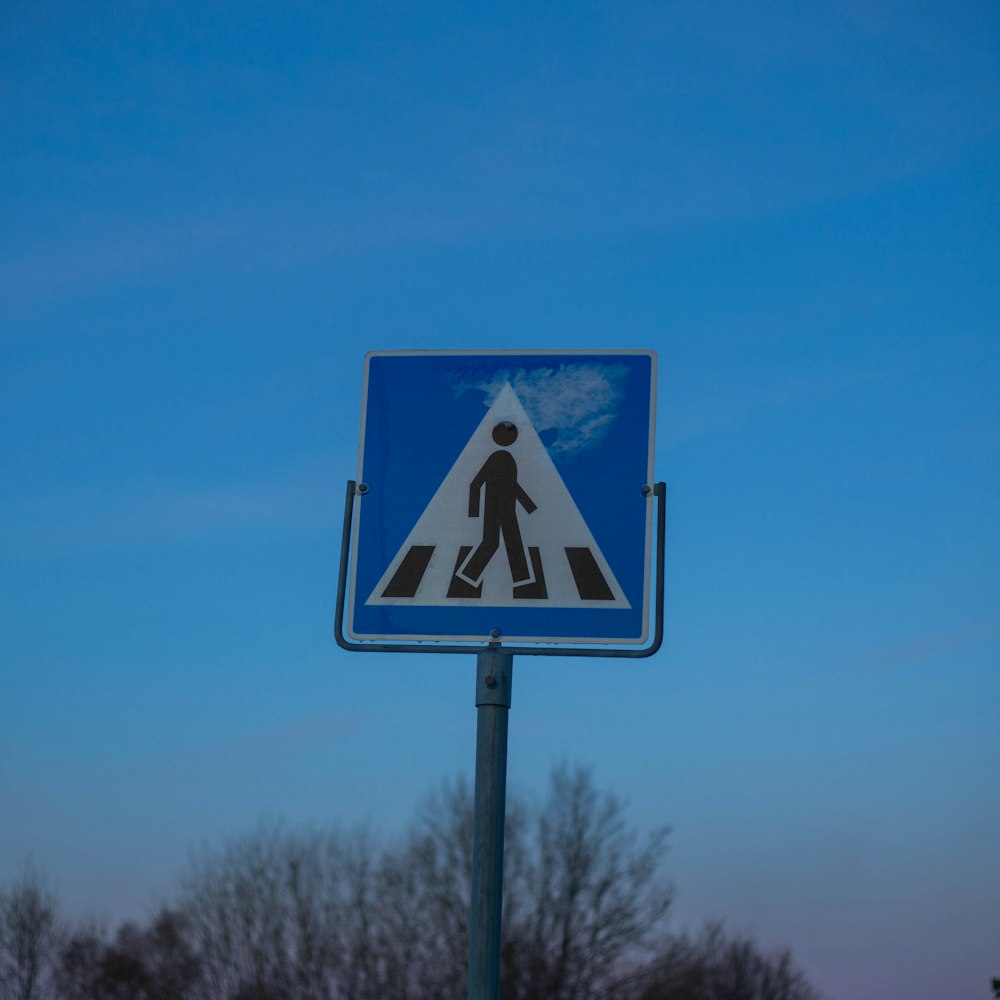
x,y
474,490
521,497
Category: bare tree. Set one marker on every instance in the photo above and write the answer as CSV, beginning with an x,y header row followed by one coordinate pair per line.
x,y
278,915
78,971
151,963
430,933
714,967
590,901
29,938
239,919
322,915
424,889
325,917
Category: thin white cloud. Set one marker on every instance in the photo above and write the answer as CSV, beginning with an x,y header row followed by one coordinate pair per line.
x,y
294,736
294,500
917,649
578,402
698,410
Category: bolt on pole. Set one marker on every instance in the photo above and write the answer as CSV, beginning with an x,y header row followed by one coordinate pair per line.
x,y
494,667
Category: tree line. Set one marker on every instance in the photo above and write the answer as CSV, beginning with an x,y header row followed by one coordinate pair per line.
x,y
281,914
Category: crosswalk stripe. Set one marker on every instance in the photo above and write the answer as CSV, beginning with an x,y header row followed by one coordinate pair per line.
x,y
587,575
406,579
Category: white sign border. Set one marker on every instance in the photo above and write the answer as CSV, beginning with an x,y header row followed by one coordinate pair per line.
x,y
480,638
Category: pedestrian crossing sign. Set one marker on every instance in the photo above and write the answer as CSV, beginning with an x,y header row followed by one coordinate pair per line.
x,y
501,494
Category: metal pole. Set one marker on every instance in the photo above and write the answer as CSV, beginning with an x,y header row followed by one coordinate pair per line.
x,y
494,667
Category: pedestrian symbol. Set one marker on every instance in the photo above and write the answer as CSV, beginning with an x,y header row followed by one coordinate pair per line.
x,y
501,530
497,480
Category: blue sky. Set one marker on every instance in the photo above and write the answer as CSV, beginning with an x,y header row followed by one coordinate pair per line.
x,y
211,213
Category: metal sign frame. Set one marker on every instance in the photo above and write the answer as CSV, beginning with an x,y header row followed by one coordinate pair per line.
x,y
658,490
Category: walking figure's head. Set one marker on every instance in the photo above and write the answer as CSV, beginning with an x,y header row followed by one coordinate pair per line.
x,y
505,433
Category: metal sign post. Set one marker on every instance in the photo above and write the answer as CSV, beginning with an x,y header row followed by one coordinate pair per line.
x,y
493,682
539,531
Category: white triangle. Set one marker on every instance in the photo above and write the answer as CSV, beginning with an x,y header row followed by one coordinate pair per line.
x,y
555,525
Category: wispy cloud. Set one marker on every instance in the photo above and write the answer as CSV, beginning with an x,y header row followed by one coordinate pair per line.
x,y
909,652
912,651
725,406
92,257
578,402
313,732
269,748
296,500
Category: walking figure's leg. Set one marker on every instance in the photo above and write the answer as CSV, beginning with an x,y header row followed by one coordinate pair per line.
x,y
477,562
514,545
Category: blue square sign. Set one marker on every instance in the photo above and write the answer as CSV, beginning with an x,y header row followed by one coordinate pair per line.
x,y
503,492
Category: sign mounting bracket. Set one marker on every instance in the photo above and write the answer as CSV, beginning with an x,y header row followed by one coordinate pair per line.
x,y
659,491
